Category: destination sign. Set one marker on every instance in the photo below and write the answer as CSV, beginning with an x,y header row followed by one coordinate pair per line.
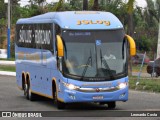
x,y
34,35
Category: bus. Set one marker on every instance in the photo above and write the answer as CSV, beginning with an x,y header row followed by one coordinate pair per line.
x,y
73,56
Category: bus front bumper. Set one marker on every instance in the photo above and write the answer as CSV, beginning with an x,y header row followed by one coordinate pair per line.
x,y
78,96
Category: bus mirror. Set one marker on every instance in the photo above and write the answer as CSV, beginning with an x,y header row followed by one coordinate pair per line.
x,y
60,46
132,45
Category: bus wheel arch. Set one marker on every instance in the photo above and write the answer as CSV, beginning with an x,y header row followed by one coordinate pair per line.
x,y
59,104
23,80
53,89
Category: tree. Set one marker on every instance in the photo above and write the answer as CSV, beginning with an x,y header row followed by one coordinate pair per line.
x,y
77,4
58,5
130,9
158,8
152,20
3,9
37,6
14,10
95,5
85,4
38,2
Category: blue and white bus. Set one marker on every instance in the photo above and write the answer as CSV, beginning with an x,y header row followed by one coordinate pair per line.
x,y
73,56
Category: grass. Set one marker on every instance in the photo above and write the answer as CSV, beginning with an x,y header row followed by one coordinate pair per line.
x,y
145,84
136,68
11,59
7,68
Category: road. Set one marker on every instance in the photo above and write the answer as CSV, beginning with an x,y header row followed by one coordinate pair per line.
x,y
12,99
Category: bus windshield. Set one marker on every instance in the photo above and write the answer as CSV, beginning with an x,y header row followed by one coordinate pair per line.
x,y
94,55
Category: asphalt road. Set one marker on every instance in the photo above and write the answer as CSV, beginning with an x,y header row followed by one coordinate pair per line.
x,y
12,99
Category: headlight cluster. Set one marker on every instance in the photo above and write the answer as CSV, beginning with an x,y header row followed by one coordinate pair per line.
x,y
70,86
122,85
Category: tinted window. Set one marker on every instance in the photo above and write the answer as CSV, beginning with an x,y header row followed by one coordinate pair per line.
x,y
35,36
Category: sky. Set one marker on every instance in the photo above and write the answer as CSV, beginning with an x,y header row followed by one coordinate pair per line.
x,y
141,3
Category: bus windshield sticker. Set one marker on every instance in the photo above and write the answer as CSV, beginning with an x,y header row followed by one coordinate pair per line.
x,y
98,42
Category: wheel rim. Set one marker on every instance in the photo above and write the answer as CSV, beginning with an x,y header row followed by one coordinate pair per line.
x,y
25,89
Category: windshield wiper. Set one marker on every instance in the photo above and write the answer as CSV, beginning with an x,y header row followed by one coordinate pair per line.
x,y
87,64
106,65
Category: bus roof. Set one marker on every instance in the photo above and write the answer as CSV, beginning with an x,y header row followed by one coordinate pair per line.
x,y
77,20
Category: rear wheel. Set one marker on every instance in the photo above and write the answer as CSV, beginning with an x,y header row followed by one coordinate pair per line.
x,y
27,92
111,105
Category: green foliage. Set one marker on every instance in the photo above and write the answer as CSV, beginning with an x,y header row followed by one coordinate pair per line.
x,y
7,68
143,43
130,5
76,4
157,6
91,2
2,22
3,9
58,6
145,84
95,5
37,2
2,38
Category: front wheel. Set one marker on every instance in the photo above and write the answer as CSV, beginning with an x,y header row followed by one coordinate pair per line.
x,y
111,105
59,104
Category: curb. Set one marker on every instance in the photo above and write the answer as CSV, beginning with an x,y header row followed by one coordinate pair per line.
x,y
7,73
3,62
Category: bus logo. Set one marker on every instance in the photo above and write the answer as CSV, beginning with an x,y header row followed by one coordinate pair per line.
x,y
97,90
86,22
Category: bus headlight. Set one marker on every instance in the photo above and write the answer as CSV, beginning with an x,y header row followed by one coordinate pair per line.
x,y
71,86
122,85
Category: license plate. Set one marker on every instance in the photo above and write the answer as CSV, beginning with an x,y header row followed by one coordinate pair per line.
x,y
97,97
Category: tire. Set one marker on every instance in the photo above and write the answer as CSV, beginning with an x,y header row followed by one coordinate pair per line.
x,y
27,92
154,74
157,75
111,105
59,104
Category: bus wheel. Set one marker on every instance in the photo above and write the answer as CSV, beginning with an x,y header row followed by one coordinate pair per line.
x,y
111,105
27,92
59,104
